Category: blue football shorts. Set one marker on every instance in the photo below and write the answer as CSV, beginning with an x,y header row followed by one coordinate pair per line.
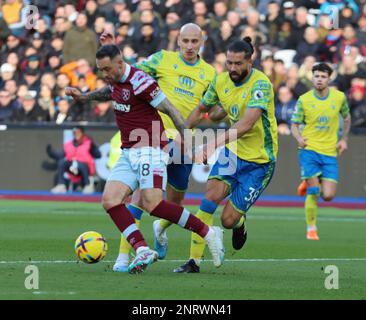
x,y
314,164
247,180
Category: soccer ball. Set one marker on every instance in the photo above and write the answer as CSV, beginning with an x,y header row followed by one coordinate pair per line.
x,y
91,247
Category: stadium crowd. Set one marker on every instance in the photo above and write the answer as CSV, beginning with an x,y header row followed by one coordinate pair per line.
x,y
40,57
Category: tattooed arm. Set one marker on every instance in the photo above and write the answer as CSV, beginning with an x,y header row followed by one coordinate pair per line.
x,y
104,94
166,107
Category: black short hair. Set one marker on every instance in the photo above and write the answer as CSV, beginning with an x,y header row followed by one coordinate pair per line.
x,y
323,67
244,45
111,51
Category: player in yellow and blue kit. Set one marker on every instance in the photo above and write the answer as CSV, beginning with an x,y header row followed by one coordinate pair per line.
x,y
184,77
246,164
319,111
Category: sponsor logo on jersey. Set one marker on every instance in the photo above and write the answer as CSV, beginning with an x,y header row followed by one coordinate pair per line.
x,y
187,83
121,107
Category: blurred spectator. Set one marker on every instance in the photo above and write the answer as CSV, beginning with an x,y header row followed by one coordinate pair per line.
x,y
147,42
218,15
105,8
49,80
279,72
273,20
242,8
7,106
235,21
53,62
14,14
92,12
61,25
12,87
200,13
224,36
361,32
170,41
293,82
43,29
289,10
29,111
284,38
285,106
62,81
6,73
305,71
75,69
13,44
253,21
64,112
46,102
4,31
357,103
348,40
32,78
347,71
80,42
76,161
300,23
308,46
102,112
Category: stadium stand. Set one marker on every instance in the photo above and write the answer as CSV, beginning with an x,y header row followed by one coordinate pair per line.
x,y
40,57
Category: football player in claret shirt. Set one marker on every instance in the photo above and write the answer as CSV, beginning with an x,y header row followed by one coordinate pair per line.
x,y
318,111
143,163
184,77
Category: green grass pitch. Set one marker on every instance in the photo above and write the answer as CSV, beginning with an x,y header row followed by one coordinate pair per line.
x,y
277,261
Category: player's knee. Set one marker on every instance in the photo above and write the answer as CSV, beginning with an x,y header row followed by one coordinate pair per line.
x,y
109,202
149,204
213,196
227,222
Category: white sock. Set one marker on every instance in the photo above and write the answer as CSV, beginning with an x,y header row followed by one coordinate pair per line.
x,y
123,259
142,248
209,233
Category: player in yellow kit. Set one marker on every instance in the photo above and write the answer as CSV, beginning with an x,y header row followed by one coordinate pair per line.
x,y
246,164
318,110
184,78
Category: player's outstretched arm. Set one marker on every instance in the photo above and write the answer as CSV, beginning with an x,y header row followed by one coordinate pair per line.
x,y
104,94
196,115
167,107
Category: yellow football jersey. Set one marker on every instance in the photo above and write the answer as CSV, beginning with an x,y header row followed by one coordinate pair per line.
x,y
184,84
320,117
259,145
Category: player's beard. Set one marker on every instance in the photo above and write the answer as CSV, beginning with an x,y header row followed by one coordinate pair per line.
x,y
240,77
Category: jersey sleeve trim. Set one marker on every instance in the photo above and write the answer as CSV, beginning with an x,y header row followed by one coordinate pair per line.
x,y
158,99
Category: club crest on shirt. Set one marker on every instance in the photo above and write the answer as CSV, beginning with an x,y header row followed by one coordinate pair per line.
x,y
125,94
